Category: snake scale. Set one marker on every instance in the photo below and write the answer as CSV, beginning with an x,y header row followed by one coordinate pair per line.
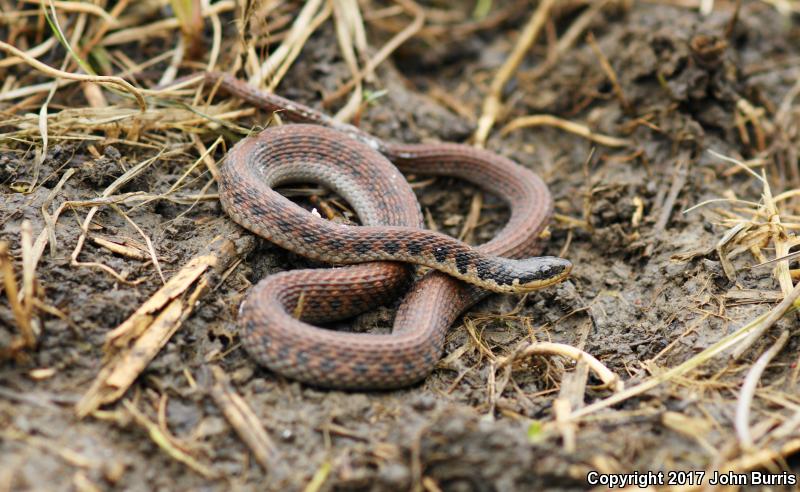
x,y
275,318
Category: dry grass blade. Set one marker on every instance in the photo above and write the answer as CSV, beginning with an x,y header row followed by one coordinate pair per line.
x,y
216,41
21,315
49,220
351,34
297,46
80,7
571,35
472,219
382,54
33,90
679,176
44,237
566,125
788,303
29,277
295,39
742,421
549,348
99,79
163,442
139,33
189,14
59,449
492,103
318,480
34,52
150,248
609,71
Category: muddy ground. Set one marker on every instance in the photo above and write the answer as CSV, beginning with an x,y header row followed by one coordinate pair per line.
x,y
646,275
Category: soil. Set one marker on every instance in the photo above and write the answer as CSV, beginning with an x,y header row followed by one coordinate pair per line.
x,y
646,277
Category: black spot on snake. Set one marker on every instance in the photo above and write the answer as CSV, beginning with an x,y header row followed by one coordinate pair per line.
x,y
504,278
360,368
414,247
266,341
387,368
284,226
391,247
335,304
335,243
362,247
328,364
483,270
302,357
283,353
260,209
462,261
440,253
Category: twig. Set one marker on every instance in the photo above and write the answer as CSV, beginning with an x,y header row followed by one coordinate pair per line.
x,y
243,419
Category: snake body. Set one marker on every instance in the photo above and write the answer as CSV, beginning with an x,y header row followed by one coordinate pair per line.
x,y
276,316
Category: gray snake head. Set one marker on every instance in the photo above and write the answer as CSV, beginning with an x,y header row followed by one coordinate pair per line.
x,y
539,272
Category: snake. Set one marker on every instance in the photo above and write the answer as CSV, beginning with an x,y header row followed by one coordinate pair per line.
x,y
373,260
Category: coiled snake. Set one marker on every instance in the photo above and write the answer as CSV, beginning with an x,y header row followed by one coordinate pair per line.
x,y
356,166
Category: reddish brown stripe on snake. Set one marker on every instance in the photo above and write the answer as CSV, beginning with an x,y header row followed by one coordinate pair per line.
x,y
354,164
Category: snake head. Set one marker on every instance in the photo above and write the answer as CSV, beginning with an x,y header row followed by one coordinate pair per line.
x,y
540,272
